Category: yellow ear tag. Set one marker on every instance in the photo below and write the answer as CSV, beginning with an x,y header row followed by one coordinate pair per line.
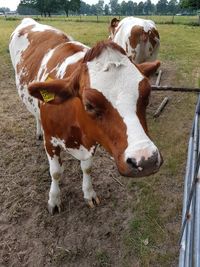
x,y
48,79
47,96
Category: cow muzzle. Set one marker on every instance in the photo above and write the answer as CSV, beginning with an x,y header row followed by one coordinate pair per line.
x,y
143,162
144,167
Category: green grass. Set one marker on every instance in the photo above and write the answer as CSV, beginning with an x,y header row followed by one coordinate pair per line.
x,y
174,20
102,258
146,229
179,44
153,231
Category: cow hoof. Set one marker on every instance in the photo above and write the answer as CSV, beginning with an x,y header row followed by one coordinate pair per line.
x,y
92,202
97,200
52,210
39,137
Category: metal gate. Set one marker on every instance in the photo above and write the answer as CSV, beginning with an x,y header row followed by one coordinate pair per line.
x,y
190,232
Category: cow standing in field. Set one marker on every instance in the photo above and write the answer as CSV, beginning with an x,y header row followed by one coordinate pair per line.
x,y
138,37
94,96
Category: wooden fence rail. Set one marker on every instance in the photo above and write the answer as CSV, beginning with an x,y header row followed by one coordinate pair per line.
x,y
176,89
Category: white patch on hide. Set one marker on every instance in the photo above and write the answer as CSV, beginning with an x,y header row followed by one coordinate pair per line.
x,y
61,69
56,171
87,187
80,153
17,46
43,72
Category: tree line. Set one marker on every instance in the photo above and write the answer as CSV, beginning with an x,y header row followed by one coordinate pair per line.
x,y
48,7
130,8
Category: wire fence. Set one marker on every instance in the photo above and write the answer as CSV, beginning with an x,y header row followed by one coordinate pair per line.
x,y
190,232
182,20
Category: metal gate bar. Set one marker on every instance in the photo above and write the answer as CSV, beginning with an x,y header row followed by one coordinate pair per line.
x,y
190,233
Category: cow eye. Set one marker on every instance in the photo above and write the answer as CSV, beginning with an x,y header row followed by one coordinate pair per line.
x,y
93,111
89,107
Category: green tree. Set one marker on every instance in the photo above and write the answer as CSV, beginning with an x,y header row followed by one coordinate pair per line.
x,y
84,8
106,10
162,7
140,8
124,8
173,7
94,9
26,10
115,7
99,7
4,9
75,5
45,7
193,4
148,7
69,5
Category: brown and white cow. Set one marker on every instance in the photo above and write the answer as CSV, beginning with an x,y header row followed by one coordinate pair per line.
x,y
138,37
97,96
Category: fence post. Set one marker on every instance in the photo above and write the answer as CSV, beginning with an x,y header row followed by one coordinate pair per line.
x,y
198,14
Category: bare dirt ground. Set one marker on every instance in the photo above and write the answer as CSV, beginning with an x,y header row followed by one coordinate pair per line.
x,y
78,236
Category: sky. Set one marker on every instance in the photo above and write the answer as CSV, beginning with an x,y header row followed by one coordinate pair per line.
x,y
12,4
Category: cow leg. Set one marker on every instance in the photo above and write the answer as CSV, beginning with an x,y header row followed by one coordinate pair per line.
x,y
56,170
39,133
89,194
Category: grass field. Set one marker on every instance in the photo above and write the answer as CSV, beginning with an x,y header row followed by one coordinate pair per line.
x,y
137,224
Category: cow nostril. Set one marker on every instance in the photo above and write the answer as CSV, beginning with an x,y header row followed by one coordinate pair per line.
x,y
132,162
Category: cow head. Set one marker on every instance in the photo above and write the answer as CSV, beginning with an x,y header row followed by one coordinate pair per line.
x,y
114,95
113,25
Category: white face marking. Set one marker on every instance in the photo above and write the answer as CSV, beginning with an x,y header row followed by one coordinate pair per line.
x,y
80,153
119,84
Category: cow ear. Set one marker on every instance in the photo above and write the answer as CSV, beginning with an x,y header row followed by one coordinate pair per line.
x,y
149,68
54,91
114,22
